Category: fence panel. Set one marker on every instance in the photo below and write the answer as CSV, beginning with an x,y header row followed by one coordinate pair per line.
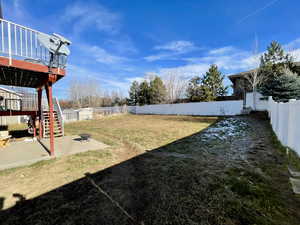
x,y
70,116
218,108
285,122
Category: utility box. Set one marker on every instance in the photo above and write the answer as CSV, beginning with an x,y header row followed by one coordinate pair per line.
x,y
85,114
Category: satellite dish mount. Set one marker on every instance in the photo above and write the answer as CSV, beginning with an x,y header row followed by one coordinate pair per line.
x,y
57,46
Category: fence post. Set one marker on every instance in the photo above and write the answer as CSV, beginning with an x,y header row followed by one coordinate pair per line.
x,y
270,107
276,122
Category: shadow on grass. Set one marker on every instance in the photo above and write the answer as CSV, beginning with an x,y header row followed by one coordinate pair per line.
x,y
154,188
21,198
200,119
19,133
1,202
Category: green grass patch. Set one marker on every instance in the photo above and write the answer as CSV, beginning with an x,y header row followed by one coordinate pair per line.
x,y
256,200
290,156
42,163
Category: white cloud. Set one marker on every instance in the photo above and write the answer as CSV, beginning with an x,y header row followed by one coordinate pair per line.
x,y
239,60
293,45
160,56
296,54
83,16
186,71
100,55
171,50
106,81
177,46
138,79
122,45
221,51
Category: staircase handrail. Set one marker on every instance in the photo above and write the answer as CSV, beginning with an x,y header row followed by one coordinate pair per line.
x,y
58,110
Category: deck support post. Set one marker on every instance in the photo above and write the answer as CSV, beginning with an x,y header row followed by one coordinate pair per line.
x,y
34,125
51,117
40,92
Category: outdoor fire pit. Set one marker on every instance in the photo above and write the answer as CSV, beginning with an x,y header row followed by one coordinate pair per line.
x,y
84,137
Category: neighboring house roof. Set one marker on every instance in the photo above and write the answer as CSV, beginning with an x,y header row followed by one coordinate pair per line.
x,y
10,91
242,74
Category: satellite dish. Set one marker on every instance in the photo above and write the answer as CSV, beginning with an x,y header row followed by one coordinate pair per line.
x,y
55,43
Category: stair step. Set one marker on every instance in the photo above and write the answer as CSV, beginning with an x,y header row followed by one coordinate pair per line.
x,y
59,133
55,126
55,134
55,122
46,136
55,130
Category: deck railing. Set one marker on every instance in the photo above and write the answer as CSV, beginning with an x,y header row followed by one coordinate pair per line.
x,y
28,102
20,42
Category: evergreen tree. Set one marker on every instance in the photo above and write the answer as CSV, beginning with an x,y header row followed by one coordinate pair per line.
x,y
134,93
276,66
275,61
283,87
144,93
157,91
194,90
213,84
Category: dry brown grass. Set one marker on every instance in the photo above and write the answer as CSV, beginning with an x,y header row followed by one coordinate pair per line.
x,y
146,131
129,135
231,174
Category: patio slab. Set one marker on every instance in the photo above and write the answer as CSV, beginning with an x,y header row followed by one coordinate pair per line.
x,y
22,153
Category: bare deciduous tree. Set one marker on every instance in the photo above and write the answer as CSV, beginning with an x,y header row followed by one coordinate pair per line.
x,y
175,85
254,77
85,93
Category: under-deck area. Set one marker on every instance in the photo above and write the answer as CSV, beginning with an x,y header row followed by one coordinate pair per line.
x,y
26,74
32,59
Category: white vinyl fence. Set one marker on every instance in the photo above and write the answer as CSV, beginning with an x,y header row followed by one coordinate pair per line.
x,y
285,120
72,115
112,110
218,108
261,102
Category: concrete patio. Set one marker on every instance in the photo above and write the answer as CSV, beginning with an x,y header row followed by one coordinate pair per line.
x,y
22,153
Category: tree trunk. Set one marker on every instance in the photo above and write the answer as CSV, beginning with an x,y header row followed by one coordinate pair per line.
x,y
254,99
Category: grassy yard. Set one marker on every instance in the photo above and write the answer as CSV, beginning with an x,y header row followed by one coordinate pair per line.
x,y
143,132
161,170
128,136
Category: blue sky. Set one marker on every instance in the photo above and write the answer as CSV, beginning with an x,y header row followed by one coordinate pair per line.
x,y
117,41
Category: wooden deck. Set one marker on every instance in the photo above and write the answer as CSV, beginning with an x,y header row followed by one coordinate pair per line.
x,y
27,74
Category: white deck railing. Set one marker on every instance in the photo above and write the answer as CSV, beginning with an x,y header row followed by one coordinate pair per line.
x,y
19,42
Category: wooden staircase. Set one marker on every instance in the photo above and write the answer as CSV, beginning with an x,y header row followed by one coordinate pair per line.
x,y
58,129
